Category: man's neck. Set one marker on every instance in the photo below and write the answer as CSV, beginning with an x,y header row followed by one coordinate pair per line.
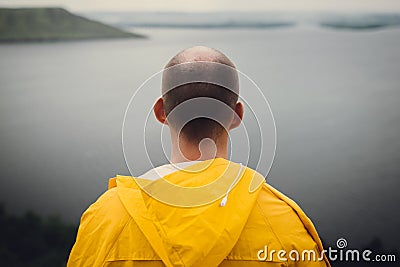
x,y
188,150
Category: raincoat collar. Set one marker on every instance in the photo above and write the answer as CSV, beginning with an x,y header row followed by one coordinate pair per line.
x,y
181,215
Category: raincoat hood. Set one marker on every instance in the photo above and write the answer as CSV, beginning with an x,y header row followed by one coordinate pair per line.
x,y
194,216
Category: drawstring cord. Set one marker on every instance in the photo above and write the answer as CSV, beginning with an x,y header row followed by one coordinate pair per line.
x,y
225,199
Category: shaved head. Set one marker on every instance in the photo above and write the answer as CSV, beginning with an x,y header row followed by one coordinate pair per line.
x,y
199,72
200,53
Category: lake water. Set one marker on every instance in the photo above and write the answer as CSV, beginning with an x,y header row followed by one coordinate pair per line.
x,y
335,96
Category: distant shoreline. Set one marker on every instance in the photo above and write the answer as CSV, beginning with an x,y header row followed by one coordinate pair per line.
x,y
213,26
246,20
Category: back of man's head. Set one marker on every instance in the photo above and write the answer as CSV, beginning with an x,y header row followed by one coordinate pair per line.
x,y
194,73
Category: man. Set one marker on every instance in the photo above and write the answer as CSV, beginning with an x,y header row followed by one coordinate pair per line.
x,y
202,209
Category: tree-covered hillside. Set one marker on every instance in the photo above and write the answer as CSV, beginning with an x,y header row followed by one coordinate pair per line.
x,y
48,24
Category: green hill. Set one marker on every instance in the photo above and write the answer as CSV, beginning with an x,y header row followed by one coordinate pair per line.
x,y
49,24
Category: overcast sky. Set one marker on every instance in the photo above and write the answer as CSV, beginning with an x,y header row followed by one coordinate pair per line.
x,y
213,5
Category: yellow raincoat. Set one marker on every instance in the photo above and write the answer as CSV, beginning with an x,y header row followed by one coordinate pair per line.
x,y
229,217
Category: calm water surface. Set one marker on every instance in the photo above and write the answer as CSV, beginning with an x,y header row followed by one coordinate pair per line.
x,y
335,97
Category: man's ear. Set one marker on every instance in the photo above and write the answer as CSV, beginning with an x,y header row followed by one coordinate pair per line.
x,y
237,119
159,111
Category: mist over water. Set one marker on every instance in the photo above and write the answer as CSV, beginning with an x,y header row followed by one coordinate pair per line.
x,y
335,96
